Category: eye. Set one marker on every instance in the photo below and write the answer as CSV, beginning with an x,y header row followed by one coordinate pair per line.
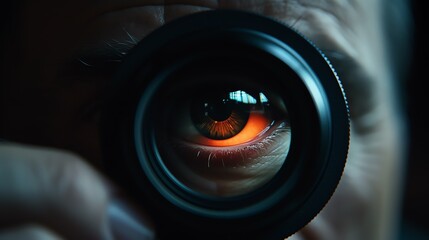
x,y
227,118
224,140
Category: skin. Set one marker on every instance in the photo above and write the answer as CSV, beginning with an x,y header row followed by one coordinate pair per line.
x,y
53,155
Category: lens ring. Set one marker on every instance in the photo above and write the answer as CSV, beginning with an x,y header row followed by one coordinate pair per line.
x,y
149,104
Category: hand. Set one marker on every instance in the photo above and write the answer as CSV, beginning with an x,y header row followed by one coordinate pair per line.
x,y
52,194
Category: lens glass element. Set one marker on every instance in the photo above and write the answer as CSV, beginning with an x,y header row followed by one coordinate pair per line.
x,y
222,134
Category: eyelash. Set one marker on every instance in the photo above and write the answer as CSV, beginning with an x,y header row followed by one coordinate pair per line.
x,y
247,152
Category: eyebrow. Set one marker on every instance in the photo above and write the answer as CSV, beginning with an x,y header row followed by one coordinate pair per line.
x,y
100,59
112,50
108,5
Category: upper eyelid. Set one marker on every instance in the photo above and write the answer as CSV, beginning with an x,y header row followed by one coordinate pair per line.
x,y
358,84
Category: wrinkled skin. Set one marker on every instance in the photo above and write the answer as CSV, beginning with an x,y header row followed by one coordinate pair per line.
x,y
44,170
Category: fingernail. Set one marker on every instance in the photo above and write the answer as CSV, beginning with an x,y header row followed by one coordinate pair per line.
x,y
127,223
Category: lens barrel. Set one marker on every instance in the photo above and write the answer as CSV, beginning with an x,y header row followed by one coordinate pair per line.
x,y
226,62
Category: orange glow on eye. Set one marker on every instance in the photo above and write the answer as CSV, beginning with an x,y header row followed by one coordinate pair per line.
x,y
254,126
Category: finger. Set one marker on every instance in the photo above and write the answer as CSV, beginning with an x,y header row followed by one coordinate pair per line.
x,y
296,236
54,188
33,232
59,190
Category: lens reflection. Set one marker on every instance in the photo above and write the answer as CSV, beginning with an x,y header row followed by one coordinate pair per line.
x,y
226,141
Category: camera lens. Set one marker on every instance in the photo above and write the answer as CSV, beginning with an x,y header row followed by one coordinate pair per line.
x,y
226,119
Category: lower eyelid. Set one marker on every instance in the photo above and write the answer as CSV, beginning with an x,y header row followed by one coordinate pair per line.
x,y
273,145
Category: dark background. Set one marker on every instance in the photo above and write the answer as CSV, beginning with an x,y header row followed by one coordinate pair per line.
x,y
415,210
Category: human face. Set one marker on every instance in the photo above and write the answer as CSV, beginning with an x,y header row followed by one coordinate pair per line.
x,y
55,95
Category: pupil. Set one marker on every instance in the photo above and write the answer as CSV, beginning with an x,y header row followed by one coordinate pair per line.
x,y
219,116
218,111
